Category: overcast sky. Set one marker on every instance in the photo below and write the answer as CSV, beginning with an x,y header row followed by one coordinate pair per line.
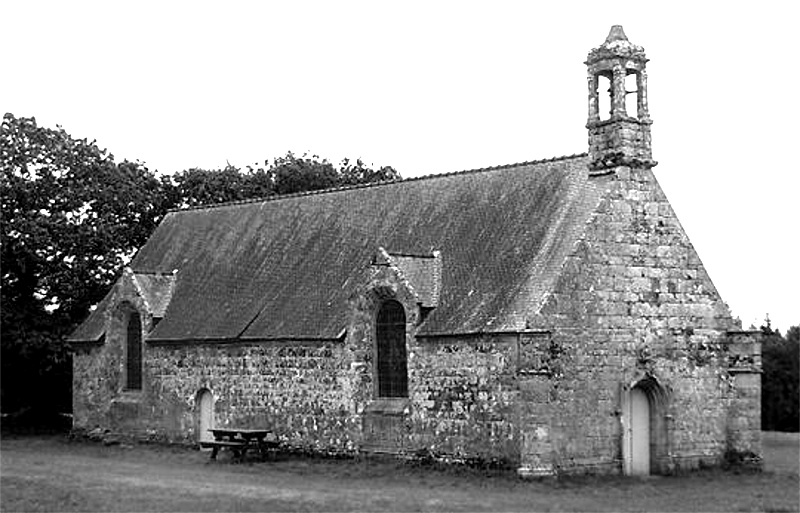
x,y
433,87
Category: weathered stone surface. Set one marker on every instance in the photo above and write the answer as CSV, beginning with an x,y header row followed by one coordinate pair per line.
x,y
653,313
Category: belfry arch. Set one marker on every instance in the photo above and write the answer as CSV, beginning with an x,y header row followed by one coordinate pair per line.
x,y
616,75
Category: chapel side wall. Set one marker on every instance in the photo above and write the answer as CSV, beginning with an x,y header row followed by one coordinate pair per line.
x,y
462,393
633,301
298,390
464,398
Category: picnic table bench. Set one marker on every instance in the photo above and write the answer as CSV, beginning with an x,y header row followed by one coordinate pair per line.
x,y
239,440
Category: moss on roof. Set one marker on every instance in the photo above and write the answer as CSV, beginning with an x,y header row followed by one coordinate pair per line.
x,y
284,267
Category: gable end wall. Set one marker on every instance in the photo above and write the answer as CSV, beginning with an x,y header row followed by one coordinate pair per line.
x,y
634,301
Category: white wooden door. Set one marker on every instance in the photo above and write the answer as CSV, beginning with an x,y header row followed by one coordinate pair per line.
x,y
639,452
206,412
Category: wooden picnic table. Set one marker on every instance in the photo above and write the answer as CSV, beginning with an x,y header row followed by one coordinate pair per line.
x,y
239,440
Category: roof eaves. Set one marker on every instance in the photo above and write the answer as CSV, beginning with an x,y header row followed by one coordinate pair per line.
x,y
236,340
485,333
97,341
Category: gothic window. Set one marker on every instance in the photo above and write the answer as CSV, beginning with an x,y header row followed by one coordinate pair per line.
x,y
391,350
133,353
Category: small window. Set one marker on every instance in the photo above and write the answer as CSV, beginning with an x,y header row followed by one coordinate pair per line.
x,y
391,350
133,353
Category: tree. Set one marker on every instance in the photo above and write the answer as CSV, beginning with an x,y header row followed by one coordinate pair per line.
x,y
299,174
71,218
197,186
358,173
780,383
793,335
283,175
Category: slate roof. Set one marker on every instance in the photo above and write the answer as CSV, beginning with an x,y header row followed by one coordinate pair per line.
x,y
284,267
92,329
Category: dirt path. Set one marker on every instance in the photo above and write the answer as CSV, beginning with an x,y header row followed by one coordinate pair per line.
x,y
47,474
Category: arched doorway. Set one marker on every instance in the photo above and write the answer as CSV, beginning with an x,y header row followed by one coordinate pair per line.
x,y
645,437
205,415
639,436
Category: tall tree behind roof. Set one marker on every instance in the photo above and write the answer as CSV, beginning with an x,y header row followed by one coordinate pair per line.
x,y
283,175
72,218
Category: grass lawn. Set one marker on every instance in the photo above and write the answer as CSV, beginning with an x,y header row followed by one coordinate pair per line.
x,y
52,474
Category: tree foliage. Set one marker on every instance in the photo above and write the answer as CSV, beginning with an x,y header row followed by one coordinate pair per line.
x,y
780,383
353,173
283,175
197,186
72,218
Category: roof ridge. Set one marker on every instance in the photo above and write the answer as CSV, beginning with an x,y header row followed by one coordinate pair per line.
x,y
155,273
342,188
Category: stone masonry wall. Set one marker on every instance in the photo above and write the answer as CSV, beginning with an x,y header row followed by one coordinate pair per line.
x,y
464,398
301,390
461,389
744,412
99,398
619,140
633,303
461,400
295,389
316,395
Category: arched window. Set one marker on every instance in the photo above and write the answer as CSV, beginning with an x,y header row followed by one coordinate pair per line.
x,y
133,353
391,350
632,94
604,102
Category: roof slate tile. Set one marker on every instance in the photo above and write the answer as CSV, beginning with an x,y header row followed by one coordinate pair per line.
x,y
284,267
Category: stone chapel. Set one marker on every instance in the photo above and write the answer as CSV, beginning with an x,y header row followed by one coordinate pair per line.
x,y
549,315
